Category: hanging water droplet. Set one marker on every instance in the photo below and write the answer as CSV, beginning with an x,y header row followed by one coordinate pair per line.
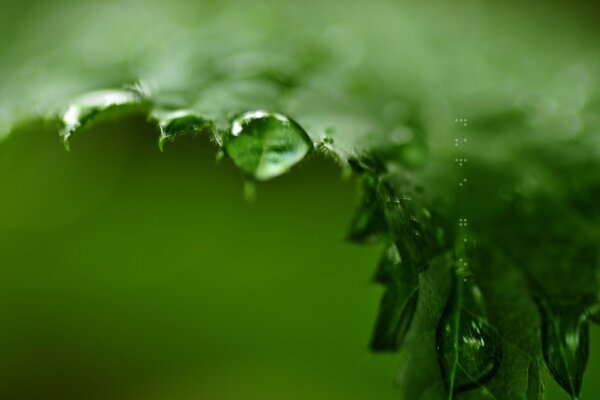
x,y
468,347
173,124
565,342
90,107
399,301
266,145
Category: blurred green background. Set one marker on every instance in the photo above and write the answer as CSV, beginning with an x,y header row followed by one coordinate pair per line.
x,y
127,273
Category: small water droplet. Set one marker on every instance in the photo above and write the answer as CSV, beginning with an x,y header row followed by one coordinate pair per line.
x,y
178,123
266,145
91,106
469,349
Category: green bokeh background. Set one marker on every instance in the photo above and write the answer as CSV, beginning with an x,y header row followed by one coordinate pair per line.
x,y
133,274
127,273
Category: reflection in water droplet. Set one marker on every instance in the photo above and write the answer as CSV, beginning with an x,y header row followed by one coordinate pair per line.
x,y
399,301
468,347
565,341
266,145
89,107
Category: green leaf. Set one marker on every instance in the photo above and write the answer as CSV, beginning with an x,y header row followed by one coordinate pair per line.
x,y
368,224
565,343
399,301
397,93
468,347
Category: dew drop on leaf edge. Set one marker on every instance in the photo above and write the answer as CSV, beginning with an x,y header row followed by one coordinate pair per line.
x,y
265,144
179,123
87,108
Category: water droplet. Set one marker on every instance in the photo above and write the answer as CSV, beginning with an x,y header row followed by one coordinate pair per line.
x,y
90,107
565,342
399,301
266,145
469,349
178,123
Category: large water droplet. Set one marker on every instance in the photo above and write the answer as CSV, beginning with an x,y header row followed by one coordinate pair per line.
x,y
266,145
565,342
468,347
399,301
90,107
